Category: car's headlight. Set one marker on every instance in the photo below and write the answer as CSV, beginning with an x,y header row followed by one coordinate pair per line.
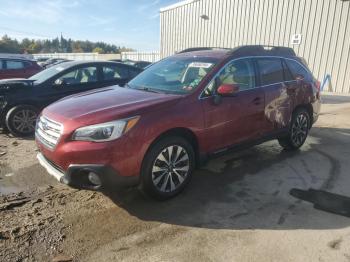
x,y
106,131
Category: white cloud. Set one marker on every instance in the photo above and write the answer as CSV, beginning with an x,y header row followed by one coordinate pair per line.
x,y
97,20
144,7
40,10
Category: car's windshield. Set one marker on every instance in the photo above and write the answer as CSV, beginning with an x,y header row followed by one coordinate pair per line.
x,y
47,73
179,75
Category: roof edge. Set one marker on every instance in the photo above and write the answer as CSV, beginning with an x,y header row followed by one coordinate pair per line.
x,y
176,5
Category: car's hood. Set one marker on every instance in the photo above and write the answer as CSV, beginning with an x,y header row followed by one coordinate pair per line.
x,y
107,104
7,85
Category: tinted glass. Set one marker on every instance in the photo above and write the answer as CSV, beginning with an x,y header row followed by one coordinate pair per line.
x,y
181,74
47,73
271,70
12,64
239,72
112,72
297,70
288,76
1,64
80,76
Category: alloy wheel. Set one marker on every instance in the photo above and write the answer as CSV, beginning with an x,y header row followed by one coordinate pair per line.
x,y
299,130
24,121
170,168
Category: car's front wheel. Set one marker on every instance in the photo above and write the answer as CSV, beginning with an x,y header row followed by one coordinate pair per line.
x,y
20,120
299,129
167,167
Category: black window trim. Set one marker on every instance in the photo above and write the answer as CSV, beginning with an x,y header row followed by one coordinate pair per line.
x,y
257,84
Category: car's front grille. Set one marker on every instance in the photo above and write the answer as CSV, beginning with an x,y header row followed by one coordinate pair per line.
x,y
48,132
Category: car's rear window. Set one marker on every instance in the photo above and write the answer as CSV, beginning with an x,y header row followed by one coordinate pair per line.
x,y
298,70
271,70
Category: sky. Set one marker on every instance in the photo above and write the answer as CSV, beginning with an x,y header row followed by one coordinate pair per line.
x,y
130,23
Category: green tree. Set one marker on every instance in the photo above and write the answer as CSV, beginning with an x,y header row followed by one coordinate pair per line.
x,y
98,50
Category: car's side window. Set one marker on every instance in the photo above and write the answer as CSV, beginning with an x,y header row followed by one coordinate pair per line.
x,y
12,64
288,76
2,64
112,72
133,72
80,76
297,70
239,72
271,70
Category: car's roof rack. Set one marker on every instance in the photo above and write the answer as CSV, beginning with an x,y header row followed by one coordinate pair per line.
x,y
192,49
248,50
262,50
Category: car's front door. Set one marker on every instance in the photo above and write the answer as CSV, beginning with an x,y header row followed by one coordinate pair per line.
x,y
72,81
236,118
278,95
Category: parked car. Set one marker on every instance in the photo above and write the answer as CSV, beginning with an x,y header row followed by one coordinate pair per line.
x,y
22,99
139,64
18,68
176,114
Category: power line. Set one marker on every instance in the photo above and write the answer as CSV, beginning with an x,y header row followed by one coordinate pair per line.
x,y
24,32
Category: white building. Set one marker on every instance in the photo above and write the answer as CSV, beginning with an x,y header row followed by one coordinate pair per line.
x,y
318,30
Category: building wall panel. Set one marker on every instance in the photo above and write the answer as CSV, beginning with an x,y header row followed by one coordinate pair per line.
x,y
323,24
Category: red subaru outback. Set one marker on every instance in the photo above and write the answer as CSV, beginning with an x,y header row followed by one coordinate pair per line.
x,y
177,113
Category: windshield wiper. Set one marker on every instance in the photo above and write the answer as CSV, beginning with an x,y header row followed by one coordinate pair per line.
x,y
147,89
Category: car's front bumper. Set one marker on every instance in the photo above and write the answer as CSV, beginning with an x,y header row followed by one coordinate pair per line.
x,y
77,175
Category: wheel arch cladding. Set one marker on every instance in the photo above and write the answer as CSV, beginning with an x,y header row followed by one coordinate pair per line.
x,y
180,132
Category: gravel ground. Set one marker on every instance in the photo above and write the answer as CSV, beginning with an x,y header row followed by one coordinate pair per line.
x,y
237,207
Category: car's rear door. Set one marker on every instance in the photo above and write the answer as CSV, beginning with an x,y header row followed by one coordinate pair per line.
x,y
279,98
236,118
115,74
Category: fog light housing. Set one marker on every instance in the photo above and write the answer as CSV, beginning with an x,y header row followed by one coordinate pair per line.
x,y
94,179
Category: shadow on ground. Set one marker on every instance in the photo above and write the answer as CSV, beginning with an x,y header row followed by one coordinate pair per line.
x,y
250,189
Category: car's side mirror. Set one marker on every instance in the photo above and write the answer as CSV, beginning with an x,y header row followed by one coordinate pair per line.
x,y
59,82
227,89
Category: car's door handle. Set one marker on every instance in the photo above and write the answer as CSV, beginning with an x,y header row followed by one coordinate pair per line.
x,y
257,101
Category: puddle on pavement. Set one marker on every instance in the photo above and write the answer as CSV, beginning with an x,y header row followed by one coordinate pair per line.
x,y
15,181
6,187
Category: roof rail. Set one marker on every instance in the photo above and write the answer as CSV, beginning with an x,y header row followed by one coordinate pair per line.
x,y
249,50
256,50
192,49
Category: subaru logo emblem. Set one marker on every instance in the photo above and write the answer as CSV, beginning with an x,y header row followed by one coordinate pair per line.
x,y
45,125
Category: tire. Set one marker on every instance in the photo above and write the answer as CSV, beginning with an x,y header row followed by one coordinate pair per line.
x,y
298,131
20,120
161,178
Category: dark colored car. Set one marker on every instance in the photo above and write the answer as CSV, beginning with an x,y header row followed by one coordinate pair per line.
x,y
21,100
177,113
18,68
